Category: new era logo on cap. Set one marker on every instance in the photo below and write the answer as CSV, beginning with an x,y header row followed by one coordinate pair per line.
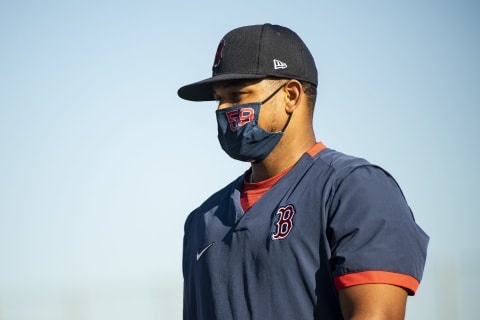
x,y
277,64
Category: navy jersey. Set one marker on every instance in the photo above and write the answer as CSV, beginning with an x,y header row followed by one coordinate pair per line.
x,y
331,222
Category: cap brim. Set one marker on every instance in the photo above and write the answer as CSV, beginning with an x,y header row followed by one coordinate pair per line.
x,y
203,90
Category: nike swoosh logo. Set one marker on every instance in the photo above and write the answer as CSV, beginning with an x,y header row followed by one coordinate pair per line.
x,y
200,253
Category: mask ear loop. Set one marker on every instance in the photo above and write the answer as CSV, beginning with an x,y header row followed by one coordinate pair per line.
x,y
270,96
288,121
274,93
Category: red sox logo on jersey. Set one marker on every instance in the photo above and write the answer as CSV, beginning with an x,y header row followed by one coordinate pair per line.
x,y
285,222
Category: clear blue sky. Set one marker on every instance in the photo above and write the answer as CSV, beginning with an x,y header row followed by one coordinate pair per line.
x,y
100,161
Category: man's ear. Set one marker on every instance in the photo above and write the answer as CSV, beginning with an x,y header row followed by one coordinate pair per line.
x,y
294,95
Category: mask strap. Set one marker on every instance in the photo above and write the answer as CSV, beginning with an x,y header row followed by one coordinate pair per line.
x,y
270,96
288,121
274,93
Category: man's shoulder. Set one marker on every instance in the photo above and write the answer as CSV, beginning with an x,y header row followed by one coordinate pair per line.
x,y
339,162
358,171
334,166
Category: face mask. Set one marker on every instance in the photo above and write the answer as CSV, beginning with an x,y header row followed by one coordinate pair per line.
x,y
241,137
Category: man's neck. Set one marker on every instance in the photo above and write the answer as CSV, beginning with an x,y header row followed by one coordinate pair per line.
x,y
280,159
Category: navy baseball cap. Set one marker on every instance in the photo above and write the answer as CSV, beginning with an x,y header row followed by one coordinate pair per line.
x,y
256,52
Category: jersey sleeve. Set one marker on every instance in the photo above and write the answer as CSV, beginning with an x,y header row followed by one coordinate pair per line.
x,y
372,232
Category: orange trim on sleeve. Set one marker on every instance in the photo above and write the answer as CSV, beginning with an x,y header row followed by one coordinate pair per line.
x,y
368,277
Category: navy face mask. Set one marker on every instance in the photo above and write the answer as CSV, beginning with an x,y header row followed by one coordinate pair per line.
x,y
241,137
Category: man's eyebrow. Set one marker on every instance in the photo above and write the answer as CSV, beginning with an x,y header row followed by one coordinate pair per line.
x,y
228,85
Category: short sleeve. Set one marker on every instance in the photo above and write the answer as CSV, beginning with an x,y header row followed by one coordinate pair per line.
x,y
372,232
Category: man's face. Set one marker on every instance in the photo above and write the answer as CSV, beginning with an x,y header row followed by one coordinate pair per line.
x,y
237,92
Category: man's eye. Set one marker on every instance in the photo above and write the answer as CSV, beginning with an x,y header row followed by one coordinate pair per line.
x,y
236,97
231,98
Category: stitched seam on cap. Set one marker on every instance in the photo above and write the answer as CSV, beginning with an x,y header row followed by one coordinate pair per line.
x,y
260,49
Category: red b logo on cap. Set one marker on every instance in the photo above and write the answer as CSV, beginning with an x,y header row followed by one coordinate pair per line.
x,y
218,55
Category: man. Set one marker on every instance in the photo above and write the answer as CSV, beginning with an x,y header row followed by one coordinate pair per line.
x,y
307,232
